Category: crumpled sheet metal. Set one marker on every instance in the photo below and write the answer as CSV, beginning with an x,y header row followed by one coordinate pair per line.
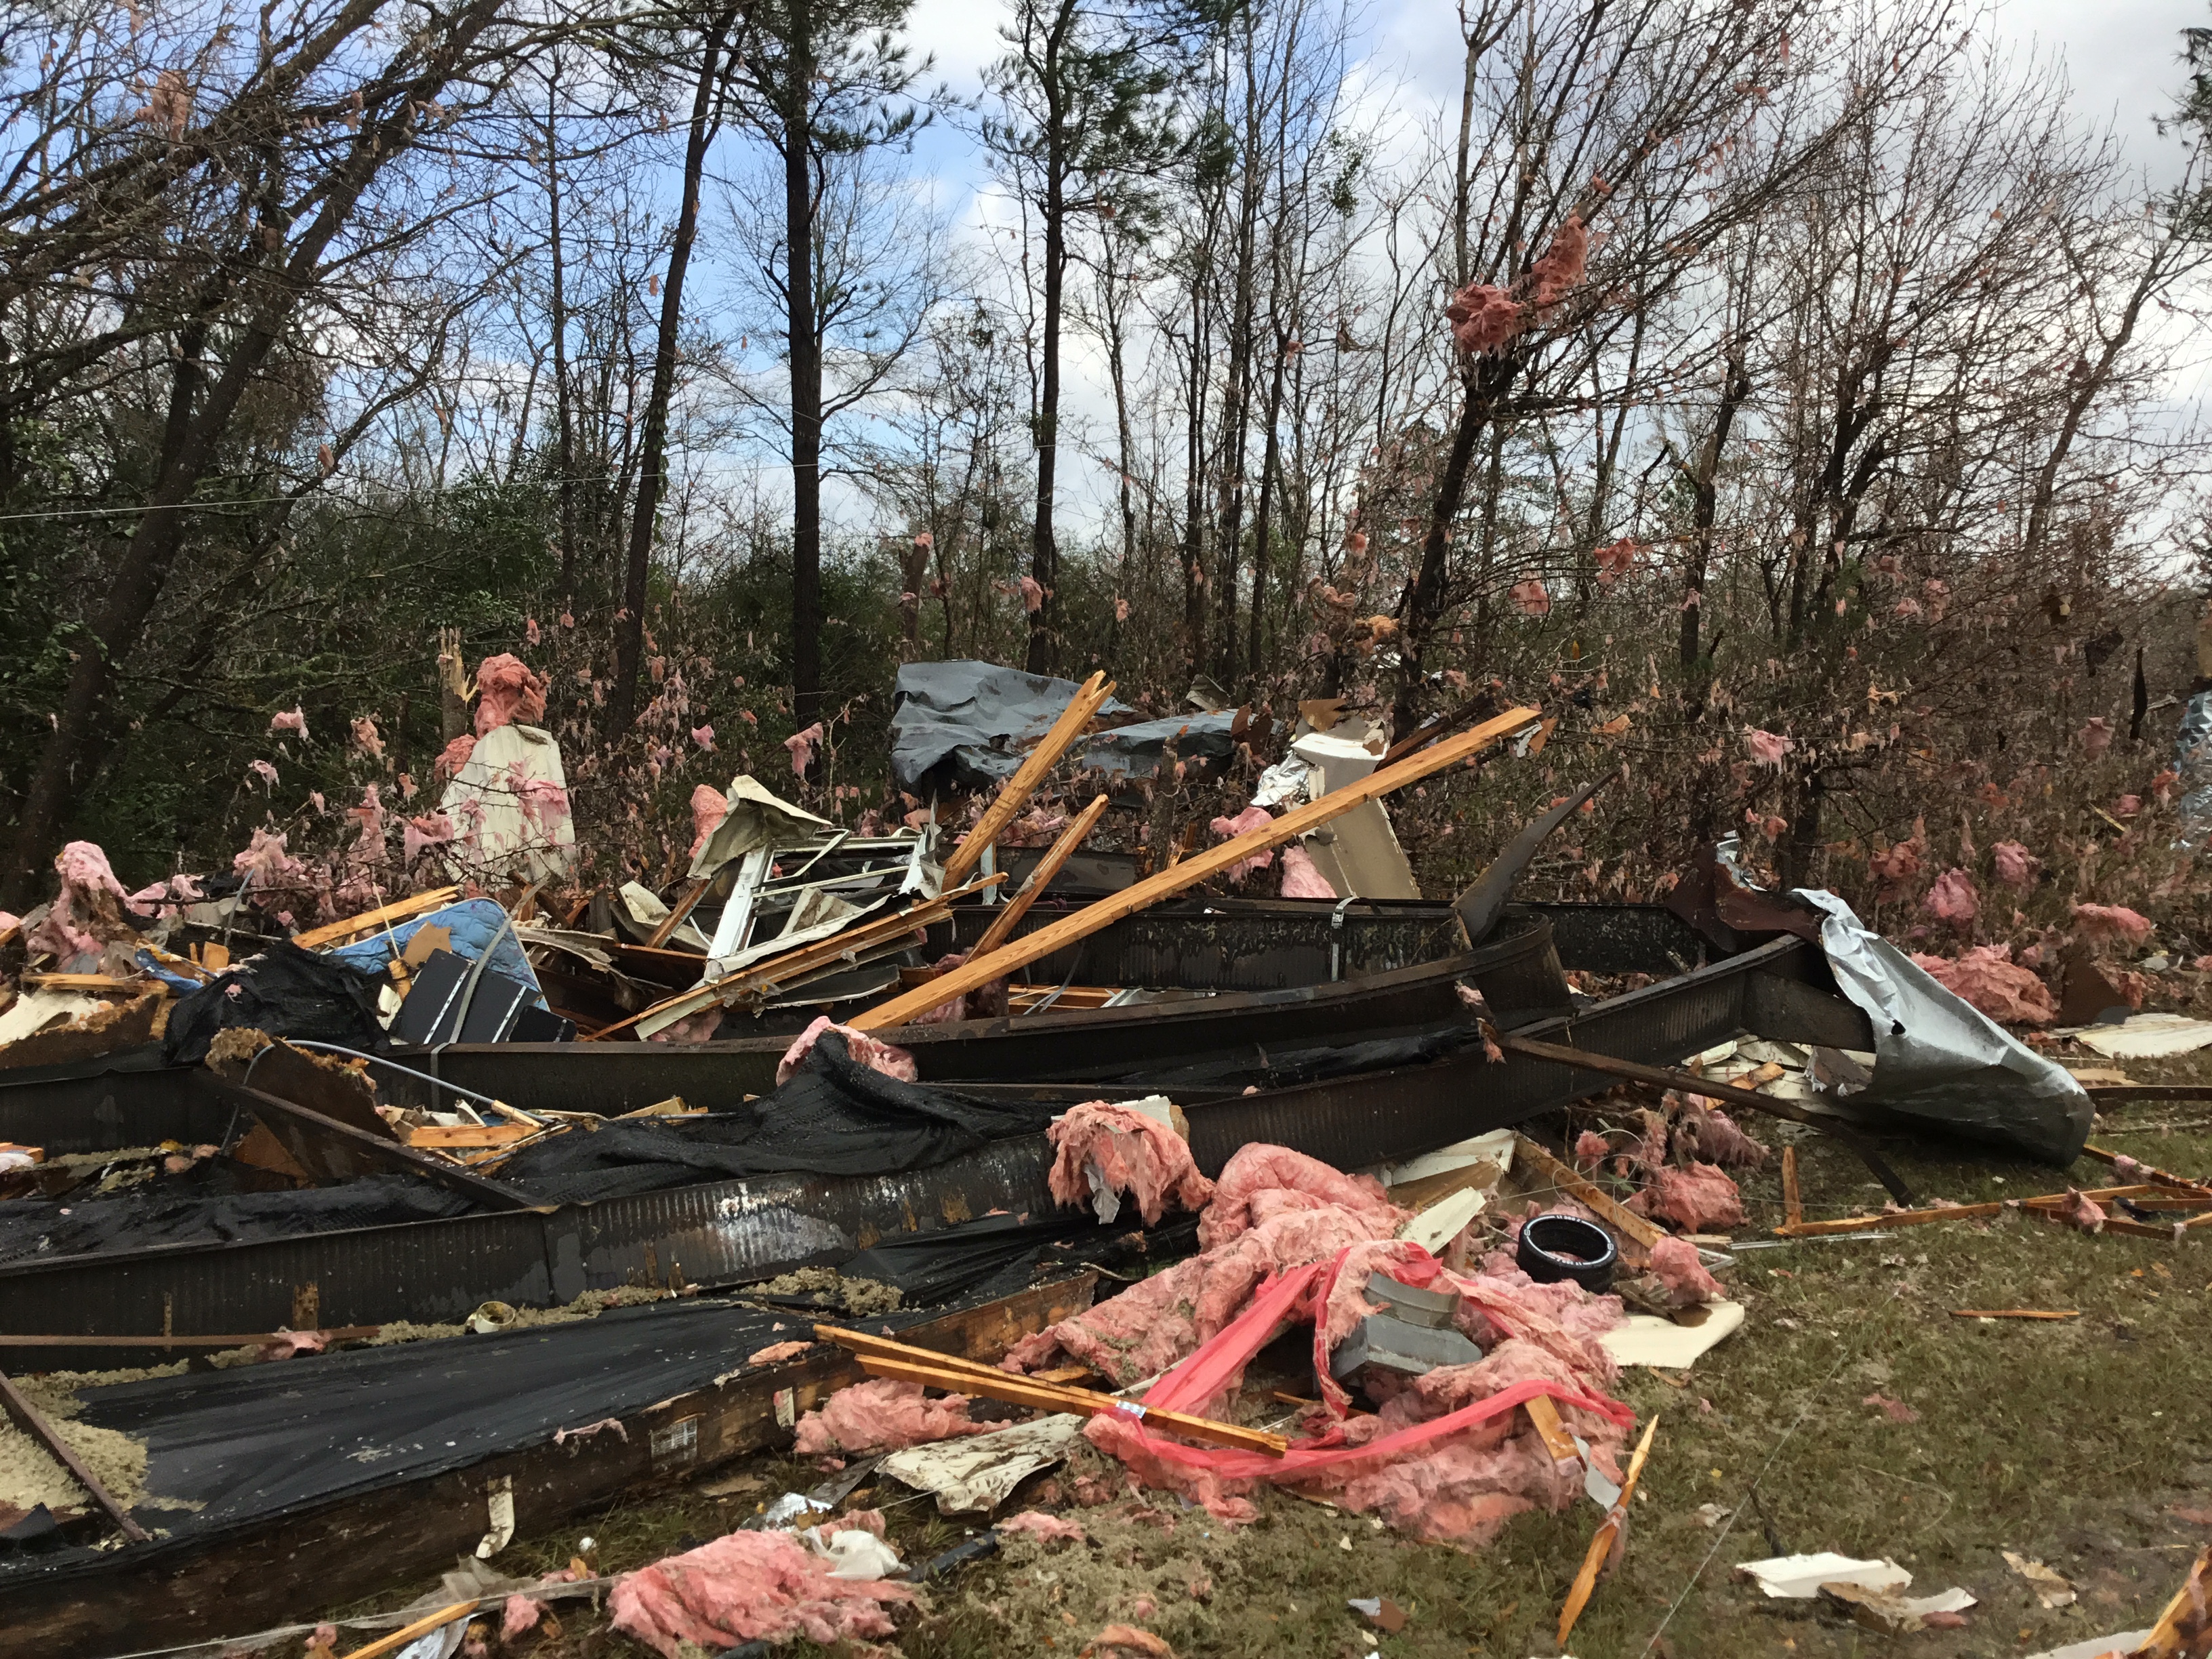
x,y
968,724
2192,758
1940,1061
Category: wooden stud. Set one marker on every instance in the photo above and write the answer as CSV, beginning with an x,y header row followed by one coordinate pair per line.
x,y
1601,1542
674,919
1793,1206
1552,1432
883,1356
407,1635
2016,1313
369,921
64,1454
1640,1232
1011,914
1087,701
980,970
877,930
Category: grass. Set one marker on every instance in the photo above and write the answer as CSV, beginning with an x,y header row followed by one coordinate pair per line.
x,y
2072,1443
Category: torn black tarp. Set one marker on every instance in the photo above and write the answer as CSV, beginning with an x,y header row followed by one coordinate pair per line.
x,y
286,992
997,1254
966,725
836,1117
136,1217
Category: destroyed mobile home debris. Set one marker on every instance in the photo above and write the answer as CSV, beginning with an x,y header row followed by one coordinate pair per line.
x,y
968,1153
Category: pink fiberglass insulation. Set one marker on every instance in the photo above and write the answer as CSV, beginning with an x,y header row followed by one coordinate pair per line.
x,y
452,757
1706,1134
885,1057
88,911
1500,1303
744,1587
1302,877
1591,1149
1252,818
508,691
1430,1462
1162,1320
1988,979
1675,1265
1045,1529
1952,898
519,1615
1700,1199
2113,924
882,1414
1262,1181
1133,1153
776,1353
867,1520
2079,1211
710,806
267,864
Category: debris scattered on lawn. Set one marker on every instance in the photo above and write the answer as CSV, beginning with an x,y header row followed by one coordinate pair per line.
x,y
744,1587
2145,1036
1799,1578
2050,1590
1380,1611
881,1415
981,1473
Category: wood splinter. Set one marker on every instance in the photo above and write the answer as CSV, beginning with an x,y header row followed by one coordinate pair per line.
x,y
64,1454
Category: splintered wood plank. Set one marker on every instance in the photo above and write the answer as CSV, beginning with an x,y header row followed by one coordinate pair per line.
x,y
369,921
980,970
1089,698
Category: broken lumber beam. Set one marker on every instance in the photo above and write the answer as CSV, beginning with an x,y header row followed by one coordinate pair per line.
x,y
1089,698
1009,917
369,921
1793,1204
39,1429
682,909
1601,1545
1552,1432
881,1356
97,983
2149,1172
407,1635
2016,1313
1689,1083
980,970
860,936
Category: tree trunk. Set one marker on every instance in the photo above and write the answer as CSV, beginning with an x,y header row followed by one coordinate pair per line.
x,y
1485,382
653,470
1705,498
565,413
1044,551
802,326
1270,462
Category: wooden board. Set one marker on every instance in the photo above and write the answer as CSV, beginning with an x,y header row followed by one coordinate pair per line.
x,y
370,921
1638,1236
980,970
1089,697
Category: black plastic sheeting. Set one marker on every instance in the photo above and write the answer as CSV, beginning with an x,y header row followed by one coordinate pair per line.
x,y
164,1214
253,1443
966,724
998,1255
836,1118
1260,1067
285,991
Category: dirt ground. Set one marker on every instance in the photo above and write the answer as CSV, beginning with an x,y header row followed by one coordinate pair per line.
x,y
2085,1444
